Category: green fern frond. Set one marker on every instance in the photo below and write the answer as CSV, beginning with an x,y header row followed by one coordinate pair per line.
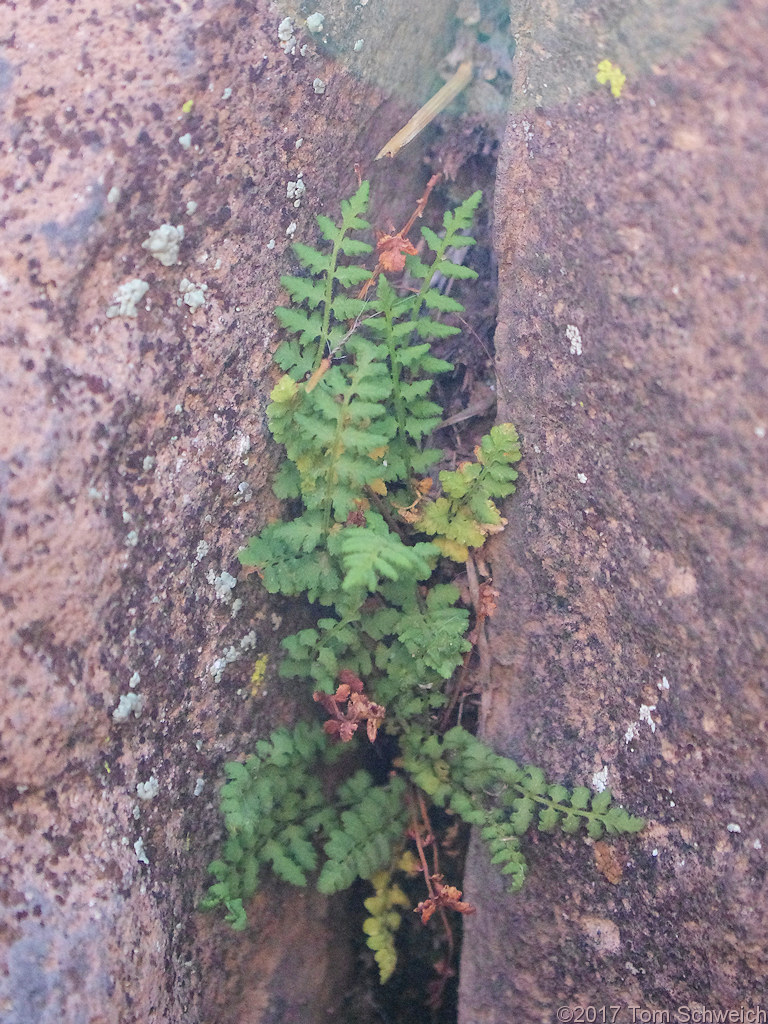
x,y
318,655
373,552
354,410
437,635
318,292
489,790
465,515
366,837
273,804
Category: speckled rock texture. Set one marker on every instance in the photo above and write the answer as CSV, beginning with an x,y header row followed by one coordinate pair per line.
x,y
632,626
133,464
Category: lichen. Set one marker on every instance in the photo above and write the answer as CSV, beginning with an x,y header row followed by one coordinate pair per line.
x,y
258,674
223,584
126,298
130,703
148,790
163,243
611,74
192,294
286,36
573,334
141,855
296,190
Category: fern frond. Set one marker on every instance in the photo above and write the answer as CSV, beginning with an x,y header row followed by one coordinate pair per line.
x,y
352,209
466,515
489,790
304,290
461,219
353,411
364,841
506,854
292,560
319,292
436,635
373,552
383,921
319,654
272,806
314,260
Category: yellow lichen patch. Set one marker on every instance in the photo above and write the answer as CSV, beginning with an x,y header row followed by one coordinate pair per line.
x,y
611,74
187,107
258,674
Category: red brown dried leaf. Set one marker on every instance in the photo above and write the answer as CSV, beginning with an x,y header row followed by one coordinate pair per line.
x,y
327,700
359,708
447,897
392,249
348,678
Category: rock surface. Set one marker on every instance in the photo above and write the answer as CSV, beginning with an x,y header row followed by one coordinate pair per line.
x,y
631,635
133,464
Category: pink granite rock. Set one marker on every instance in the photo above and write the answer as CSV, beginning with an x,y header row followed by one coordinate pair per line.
x,y
630,645
147,155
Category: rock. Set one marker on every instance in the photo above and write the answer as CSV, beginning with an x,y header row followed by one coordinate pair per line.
x,y
632,623
134,464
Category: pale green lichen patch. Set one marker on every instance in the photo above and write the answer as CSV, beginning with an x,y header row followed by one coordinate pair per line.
x,y
315,22
127,297
192,294
130,704
148,790
163,243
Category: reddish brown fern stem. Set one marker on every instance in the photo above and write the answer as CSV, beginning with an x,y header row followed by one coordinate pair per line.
x,y
416,832
399,241
421,204
427,826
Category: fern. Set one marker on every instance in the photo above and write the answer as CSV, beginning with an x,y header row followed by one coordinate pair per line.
x,y
273,807
384,920
492,792
465,516
368,831
372,553
323,322
354,412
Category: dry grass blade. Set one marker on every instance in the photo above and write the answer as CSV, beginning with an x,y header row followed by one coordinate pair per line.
x,y
459,80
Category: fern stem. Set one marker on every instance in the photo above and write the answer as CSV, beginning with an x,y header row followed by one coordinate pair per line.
x,y
333,456
395,367
330,275
561,808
